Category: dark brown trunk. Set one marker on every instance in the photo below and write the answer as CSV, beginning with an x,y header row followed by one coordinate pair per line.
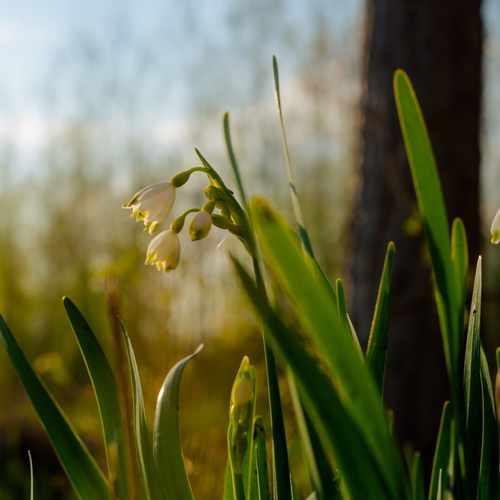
x,y
439,44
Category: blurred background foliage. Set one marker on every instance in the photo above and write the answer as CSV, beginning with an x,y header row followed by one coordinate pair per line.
x,y
117,100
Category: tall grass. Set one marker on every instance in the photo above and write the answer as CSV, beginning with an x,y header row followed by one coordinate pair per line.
x,y
337,389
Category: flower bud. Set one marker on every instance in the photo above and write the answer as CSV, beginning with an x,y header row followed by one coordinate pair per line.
x,y
200,225
495,229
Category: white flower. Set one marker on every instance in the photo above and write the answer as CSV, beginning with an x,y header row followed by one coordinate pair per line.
x,y
152,204
164,251
200,225
495,229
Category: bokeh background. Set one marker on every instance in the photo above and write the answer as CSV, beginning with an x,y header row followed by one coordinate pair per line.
x,y
100,98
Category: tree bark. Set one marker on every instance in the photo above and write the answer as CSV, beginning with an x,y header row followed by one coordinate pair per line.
x,y
439,44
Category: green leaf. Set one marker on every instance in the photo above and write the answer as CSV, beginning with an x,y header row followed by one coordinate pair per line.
x,y
321,474
32,477
344,442
317,312
106,393
488,477
376,351
167,438
417,478
444,452
82,471
472,377
228,483
433,211
345,320
294,195
280,465
261,467
143,442
460,258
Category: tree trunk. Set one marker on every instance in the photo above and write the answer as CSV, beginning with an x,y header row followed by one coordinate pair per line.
x,y
439,44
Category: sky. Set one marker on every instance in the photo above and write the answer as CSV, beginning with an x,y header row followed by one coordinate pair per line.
x,y
34,32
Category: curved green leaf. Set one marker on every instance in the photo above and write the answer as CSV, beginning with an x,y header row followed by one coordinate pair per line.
x,y
344,441
433,211
106,393
444,452
260,453
317,312
143,444
376,350
167,446
81,469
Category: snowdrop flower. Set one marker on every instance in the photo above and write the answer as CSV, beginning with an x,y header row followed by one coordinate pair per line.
x,y
495,229
164,251
200,225
152,204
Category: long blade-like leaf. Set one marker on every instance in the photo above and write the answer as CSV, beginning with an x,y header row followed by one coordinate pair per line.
x,y
167,437
379,332
444,451
417,478
344,442
32,477
81,469
149,473
280,465
260,452
433,211
472,377
460,258
317,312
106,393
488,476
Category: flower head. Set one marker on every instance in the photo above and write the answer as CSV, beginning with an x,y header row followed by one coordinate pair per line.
x,y
200,225
152,204
164,251
495,229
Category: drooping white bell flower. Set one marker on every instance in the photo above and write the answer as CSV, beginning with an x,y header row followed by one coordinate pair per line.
x,y
164,251
495,229
152,204
200,225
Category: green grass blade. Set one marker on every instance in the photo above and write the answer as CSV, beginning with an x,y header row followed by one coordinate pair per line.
x,y
167,446
82,471
343,440
228,483
317,312
308,446
376,350
106,393
417,478
143,442
261,464
232,159
32,477
488,477
297,210
460,259
472,378
280,465
444,451
344,315
433,211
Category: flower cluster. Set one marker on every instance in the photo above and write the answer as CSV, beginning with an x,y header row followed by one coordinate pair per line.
x,y
153,204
